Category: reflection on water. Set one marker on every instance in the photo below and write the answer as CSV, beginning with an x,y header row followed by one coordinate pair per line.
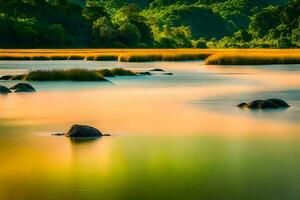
x,y
174,137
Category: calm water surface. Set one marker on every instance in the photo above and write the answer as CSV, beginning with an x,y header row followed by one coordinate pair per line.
x,y
174,137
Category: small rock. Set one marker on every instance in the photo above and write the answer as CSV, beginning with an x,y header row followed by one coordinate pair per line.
x,y
4,90
145,73
23,87
83,131
264,104
167,73
58,134
6,77
242,105
156,70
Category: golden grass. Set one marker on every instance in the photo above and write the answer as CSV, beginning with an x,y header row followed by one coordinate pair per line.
x,y
253,58
212,56
144,57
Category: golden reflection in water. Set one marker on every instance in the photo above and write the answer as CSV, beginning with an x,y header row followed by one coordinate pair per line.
x,y
136,110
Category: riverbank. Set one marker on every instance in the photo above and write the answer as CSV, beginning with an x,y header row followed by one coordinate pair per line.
x,y
211,56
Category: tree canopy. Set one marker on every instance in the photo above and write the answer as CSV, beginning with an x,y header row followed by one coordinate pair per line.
x,y
149,23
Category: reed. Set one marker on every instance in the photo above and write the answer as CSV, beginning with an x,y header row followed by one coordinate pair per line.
x,y
216,56
105,57
172,56
64,75
246,58
70,75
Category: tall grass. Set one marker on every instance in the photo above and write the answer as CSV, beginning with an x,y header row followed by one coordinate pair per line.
x,y
245,58
212,56
135,57
70,75
64,75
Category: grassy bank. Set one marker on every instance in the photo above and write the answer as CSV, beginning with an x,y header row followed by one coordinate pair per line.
x,y
70,75
135,57
211,56
252,58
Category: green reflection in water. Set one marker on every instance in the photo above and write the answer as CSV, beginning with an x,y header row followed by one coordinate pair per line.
x,y
151,167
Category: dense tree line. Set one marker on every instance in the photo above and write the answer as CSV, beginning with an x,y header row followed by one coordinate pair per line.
x,y
149,23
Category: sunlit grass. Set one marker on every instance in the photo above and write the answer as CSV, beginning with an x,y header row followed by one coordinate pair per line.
x,y
172,56
253,58
70,75
212,56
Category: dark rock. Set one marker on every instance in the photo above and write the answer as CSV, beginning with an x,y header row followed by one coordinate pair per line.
x,y
4,90
167,73
255,104
242,105
83,131
265,104
23,87
156,70
58,134
6,77
145,73
280,103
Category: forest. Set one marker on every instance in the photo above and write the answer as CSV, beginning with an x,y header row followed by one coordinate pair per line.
x,y
149,24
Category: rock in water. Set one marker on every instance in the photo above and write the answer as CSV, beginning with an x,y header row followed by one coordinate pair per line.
x,y
6,77
242,105
83,131
145,73
4,90
265,104
23,87
280,103
167,73
156,70
255,104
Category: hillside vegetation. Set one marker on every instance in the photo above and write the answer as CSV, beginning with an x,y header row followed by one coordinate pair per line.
x,y
149,24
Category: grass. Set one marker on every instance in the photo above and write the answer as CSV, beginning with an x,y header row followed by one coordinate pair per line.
x,y
212,56
64,75
134,57
70,75
253,58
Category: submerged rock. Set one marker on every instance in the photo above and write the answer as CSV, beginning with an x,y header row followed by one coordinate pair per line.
x,y
6,77
265,104
4,90
23,87
156,70
58,134
145,73
83,131
167,73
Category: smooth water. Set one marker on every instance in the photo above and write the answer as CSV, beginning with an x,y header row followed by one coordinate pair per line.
x,y
173,137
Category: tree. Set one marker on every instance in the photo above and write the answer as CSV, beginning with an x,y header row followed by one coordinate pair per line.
x,y
263,21
94,11
104,32
200,43
129,34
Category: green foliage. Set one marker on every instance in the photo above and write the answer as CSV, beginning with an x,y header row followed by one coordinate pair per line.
x,y
174,37
129,34
104,32
150,23
200,43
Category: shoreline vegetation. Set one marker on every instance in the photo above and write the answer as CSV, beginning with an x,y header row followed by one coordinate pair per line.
x,y
70,75
211,56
